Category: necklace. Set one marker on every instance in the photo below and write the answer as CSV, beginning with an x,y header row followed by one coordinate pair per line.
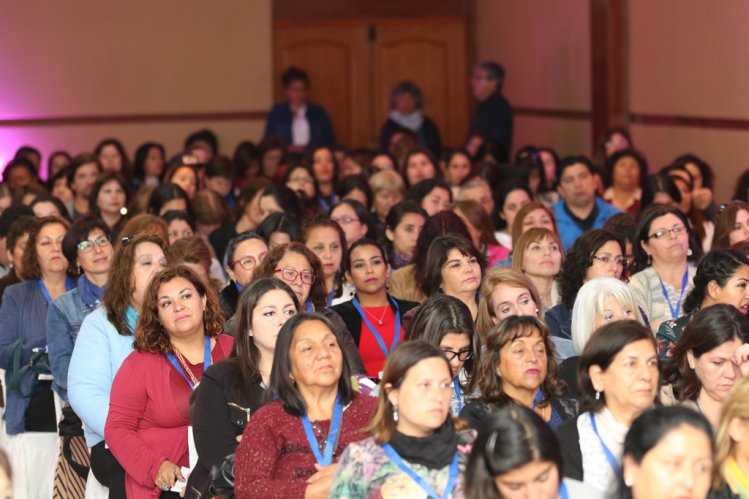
x,y
187,369
382,316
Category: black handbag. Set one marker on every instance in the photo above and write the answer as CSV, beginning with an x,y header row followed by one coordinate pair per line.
x,y
223,478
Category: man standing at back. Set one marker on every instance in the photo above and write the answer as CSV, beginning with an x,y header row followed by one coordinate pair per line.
x,y
493,116
580,209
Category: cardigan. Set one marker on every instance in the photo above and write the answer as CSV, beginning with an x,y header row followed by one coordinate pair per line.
x,y
274,458
98,353
366,471
353,320
219,416
145,425
280,119
562,409
23,315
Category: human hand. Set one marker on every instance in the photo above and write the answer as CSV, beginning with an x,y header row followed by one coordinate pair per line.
x,y
702,198
319,483
167,475
741,359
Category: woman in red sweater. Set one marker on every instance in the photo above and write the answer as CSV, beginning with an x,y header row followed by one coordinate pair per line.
x,y
291,445
177,337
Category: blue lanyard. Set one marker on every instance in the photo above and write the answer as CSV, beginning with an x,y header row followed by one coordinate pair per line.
x,y
335,427
458,393
609,455
451,480
330,298
538,398
373,330
675,311
45,292
309,307
563,494
206,362
325,204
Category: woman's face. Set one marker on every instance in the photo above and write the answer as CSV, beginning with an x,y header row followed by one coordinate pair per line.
x,y
57,163
696,174
148,259
685,206
252,210
418,168
384,200
523,363
369,270
630,383
111,198
740,231
84,179
405,103
268,205
248,255
46,209
181,308
15,254
537,480
717,370
300,265
735,292
178,229
550,167
49,249
423,398
110,159
184,177
613,310
509,300
670,246
542,258
61,191
607,261
96,258
271,312
538,218
456,346
457,169
626,173
461,274
406,233
382,162
326,244
315,356
153,166
513,202
278,238
345,216
301,180
357,195
679,466
271,161
323,166
438,199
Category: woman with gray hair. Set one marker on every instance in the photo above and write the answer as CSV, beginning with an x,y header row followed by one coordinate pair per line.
x,y
407,115
599,301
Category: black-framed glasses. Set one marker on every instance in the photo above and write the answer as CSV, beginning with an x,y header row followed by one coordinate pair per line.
x,y
606,259
248,262
88,244
289,275
660,234
462,356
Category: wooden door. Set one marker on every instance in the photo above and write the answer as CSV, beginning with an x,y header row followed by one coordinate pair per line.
x,y
336,56
432,54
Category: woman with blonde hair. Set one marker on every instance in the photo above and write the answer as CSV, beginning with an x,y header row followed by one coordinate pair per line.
x,y
388,189
505,293
732,445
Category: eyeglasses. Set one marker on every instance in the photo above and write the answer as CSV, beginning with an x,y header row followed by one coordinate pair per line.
x,y
462,356
303,180
248,262
344,220
660,234
606,259
290,275
88,244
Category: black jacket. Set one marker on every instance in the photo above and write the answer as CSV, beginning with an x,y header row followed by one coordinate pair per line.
x,y
352,319
228,298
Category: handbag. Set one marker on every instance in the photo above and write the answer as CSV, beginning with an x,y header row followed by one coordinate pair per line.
x,y
223,478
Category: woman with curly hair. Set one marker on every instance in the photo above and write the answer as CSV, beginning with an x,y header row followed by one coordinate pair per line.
x,y
597,253
519,367
178,336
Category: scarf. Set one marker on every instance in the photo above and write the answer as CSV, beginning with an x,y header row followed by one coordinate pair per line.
x,y
90,293
411,121
435,451
735,478
131,317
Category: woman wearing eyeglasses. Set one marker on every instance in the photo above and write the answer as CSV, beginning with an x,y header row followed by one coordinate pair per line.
x,y
721,277
243,254
664,274
87,249
301,270
354,219
597,253
445,322
374,318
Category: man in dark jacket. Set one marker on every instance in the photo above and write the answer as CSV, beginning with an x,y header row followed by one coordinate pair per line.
x,y
301,124
493,116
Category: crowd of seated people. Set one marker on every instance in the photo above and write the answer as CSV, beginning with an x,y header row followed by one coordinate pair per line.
x,y
302,320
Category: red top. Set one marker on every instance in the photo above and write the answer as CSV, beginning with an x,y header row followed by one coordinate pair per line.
x,y
148,416
274,458
371,353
